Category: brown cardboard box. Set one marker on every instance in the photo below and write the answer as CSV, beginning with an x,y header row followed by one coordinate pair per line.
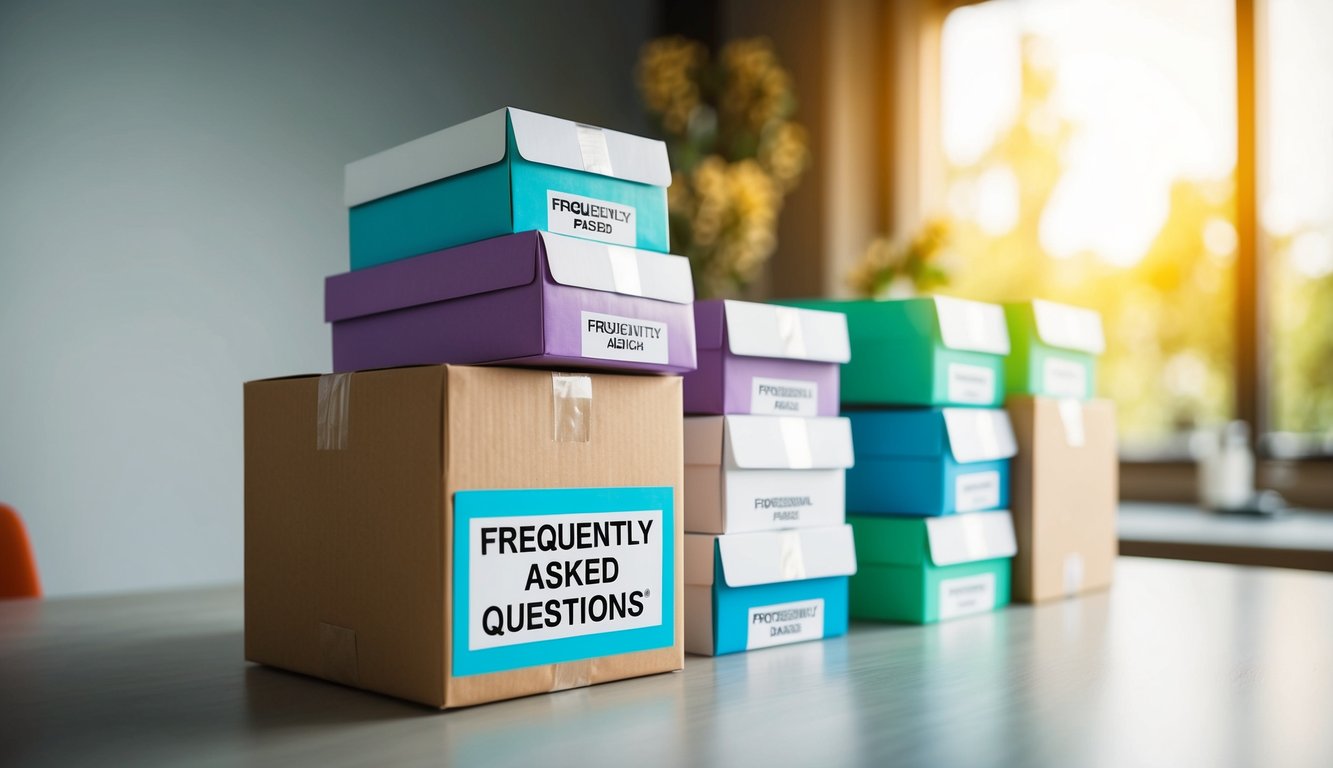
x,y
354,485
1065,488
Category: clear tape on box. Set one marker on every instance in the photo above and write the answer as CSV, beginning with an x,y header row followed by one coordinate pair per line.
x,y
331,408
571,400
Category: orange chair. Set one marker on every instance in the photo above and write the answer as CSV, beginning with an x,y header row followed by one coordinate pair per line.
x,y
18,568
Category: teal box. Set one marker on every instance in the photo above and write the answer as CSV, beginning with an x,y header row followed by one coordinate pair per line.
x,y
933,350
504,172
930,461
745,591
1055,349
926,569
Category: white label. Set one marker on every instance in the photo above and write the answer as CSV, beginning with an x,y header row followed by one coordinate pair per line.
x,y
976,490
785,623
589,217
546,577
971,384
1063,378
967,594
771,499
784,397
623,338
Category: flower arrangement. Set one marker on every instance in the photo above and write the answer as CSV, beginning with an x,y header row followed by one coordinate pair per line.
x,y
890,270
735,153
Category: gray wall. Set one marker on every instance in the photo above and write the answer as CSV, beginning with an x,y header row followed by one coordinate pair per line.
x,y
170,200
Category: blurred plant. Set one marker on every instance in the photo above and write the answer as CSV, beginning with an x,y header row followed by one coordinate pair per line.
x,y
897,270
735,153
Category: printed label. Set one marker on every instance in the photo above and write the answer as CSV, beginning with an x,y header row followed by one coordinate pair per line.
x,y
782,509
967,594
544,576
784,397
785,623
591,218
623,338
976,490
1063,378
971,384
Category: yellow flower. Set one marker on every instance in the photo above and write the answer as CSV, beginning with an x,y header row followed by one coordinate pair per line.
x,y
668,80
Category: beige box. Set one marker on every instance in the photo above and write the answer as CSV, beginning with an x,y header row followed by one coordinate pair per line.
x,y
1064,494
391,516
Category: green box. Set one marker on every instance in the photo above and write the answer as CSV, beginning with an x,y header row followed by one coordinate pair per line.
x,y
1055,349
927,569
925,351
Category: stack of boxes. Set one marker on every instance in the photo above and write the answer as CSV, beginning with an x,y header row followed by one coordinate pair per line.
x,y
928,494
767,549
453,534
1065,483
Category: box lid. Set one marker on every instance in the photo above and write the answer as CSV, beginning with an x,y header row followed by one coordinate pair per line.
x,y
769,557
972,326
753,329
968,537
1068,327
506,262
969,434
768,442
482,141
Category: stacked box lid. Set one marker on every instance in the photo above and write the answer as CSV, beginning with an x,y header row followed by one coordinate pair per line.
x,y
507,171
1055,347
766,359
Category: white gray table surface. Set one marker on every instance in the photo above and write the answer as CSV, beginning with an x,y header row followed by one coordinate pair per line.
x,y
1181,664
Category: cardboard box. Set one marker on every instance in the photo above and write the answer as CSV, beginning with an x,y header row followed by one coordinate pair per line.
x,y
766,360
754,590
507,171
759,473
1065,493
421,532
925,351
528,299
926,569
930,461
1055,349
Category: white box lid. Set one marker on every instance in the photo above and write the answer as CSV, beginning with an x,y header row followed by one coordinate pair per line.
x,y
618,269
768,557
772,442
766,330
481,141
979,434
970,536
1069,327
972,326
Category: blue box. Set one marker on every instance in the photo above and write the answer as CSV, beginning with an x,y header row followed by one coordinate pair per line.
x,y
504,172
745,591
930,461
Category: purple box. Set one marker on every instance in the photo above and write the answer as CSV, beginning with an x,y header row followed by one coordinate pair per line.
x,y
765,359
531,298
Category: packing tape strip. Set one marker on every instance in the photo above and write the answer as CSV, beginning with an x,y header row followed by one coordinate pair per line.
x,y
974,536
592,145
625,270
572,674
1071,417
337,654
1073,573
986,434
571,401
791,557
790,332
331,411
796,441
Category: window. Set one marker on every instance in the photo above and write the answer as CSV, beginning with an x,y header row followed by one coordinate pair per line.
x,y
1090,157
1296,220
